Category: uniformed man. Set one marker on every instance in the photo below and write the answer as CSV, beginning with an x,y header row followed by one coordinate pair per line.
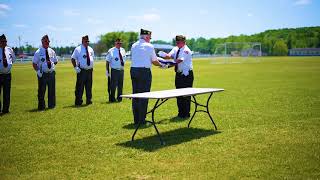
x,y
116,58
184,74
44,61
143,56
82,61
6,59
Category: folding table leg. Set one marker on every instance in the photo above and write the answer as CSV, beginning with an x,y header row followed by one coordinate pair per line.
x,y
207,110
152,122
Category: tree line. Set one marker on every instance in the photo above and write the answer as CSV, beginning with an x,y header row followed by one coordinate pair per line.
x,y
273,42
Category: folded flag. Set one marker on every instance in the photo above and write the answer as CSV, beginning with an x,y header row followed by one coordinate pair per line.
x,y
168,62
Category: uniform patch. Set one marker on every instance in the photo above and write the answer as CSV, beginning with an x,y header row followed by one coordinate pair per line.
x,y
187,52
116,59
42,59
84,56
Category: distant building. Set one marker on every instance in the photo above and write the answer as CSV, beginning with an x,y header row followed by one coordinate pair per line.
x,y
304,52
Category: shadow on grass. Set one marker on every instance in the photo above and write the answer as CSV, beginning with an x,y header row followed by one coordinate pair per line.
x,y
108,102
37,110
133,126
78,106
162,121
174,137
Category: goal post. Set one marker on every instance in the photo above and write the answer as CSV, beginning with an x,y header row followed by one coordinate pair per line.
x,y
238,49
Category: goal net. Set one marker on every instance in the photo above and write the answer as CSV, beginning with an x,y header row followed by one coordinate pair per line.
x,y
242,50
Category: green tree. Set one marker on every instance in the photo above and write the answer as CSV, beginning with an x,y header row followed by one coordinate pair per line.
x,y
106,41
280,48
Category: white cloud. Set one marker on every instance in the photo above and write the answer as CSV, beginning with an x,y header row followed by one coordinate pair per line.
x,y
55,28
3,9
20,25
146,17
94,21
71,12
302,2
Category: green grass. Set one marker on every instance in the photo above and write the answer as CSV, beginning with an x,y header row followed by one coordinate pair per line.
x,y
268,122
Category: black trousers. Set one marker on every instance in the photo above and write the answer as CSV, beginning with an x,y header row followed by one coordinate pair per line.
x,y
141,82
47,80
183,103
84,80
5,85
116,83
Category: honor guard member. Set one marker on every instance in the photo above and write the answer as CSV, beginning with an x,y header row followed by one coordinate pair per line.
x,y
82,61
184,74
116,58
6,59
142,56
44,61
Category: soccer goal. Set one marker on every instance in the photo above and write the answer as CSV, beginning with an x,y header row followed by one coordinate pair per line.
x,y
240,51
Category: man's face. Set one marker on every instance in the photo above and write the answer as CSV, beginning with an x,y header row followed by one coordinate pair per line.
x,y
148,38
85,42
180,44
3,43
45,43
118,44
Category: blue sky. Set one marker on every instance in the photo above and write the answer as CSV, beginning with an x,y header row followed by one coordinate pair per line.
x,y
66,21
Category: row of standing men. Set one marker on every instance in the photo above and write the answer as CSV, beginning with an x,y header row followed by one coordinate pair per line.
x,y
143,56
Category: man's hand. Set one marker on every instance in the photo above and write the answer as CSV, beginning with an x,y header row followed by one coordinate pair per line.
x,y
108,74
77,69
39,74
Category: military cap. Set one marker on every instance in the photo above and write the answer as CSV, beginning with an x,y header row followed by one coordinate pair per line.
x,y
180,38
45,37
145,32
85,38
3,37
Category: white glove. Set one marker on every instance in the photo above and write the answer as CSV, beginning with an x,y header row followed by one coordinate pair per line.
x,y
77,69
164,66
108,74
162,54
39,74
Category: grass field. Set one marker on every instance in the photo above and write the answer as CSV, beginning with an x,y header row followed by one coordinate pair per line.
x,y
268,122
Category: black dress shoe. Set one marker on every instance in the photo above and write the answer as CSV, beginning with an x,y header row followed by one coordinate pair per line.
x,y
88,102
5,112
41,108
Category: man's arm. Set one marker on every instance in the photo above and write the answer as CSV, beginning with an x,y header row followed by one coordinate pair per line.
x,y
107,66
73,61
35,66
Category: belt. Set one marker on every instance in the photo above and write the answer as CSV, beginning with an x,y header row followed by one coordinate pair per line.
x,y
49,72
140,67
86,69
118,69
182,71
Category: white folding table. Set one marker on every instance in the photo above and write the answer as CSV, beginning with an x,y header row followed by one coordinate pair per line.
x,y
164,95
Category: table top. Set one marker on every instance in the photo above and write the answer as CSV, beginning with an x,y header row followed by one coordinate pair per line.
x,y
172,93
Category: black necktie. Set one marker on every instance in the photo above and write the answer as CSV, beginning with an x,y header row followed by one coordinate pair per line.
x,y
48,59
176,66
121,59
4,58
88,57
